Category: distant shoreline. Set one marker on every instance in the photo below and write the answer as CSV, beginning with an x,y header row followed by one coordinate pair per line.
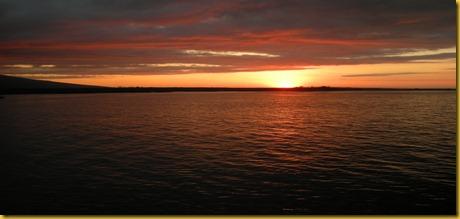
x,y
199,89
18,85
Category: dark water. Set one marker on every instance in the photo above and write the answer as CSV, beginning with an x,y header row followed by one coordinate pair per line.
x,y
229,153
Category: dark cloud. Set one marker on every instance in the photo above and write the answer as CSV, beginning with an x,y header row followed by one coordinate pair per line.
x,y
297,32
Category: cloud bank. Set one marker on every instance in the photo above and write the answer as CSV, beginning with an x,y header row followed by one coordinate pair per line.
x,y
78,37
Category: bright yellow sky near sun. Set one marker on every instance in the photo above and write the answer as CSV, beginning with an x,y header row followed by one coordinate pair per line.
x,y
427,74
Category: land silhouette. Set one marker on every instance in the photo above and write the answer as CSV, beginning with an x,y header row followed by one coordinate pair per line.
x,y
19,85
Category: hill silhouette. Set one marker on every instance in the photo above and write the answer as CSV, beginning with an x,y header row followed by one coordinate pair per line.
x,y
17,83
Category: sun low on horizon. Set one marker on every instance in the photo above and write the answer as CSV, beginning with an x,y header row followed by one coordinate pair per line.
x,y
210,43
229,107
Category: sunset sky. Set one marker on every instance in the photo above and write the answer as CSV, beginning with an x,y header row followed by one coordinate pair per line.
x,y
204,43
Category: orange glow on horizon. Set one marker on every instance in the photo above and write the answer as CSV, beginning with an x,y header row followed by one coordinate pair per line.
x,y
439,74
281,79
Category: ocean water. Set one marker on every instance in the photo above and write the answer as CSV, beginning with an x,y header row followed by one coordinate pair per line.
x,y
229,153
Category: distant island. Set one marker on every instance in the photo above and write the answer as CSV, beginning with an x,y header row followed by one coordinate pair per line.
x,y
18,85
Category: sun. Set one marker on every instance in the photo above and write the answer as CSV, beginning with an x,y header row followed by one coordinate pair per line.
x,y
286,84
284,79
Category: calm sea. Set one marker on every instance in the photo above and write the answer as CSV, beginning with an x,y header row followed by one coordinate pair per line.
x,y
229,153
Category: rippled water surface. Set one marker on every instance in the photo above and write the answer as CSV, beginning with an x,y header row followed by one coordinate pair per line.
x,y
230,153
